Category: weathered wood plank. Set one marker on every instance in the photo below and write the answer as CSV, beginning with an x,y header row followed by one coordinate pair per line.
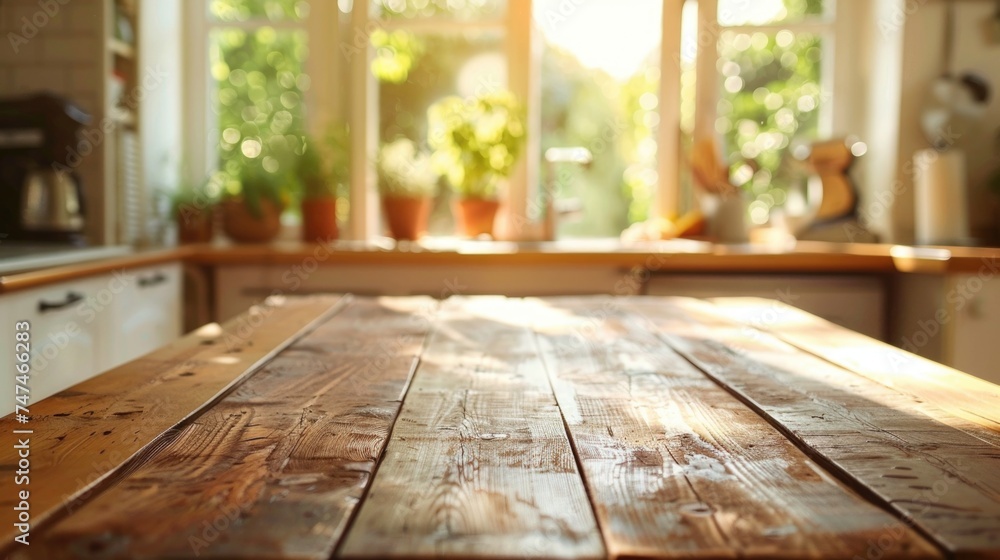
x,y
972,402
89,431
479,463
942,480
276,468
679,468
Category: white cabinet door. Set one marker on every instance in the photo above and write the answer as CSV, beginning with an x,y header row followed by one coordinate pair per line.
x,y
7,367
148,315
65,320
974,302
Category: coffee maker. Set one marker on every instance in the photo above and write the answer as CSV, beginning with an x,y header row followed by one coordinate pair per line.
x,y
41,197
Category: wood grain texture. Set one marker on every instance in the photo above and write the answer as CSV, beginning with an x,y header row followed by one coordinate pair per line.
x,y
942,480
972,403
479,463
88,432
679,468
276,468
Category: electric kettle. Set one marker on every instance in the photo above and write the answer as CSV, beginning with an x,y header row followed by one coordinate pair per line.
x,y
50,201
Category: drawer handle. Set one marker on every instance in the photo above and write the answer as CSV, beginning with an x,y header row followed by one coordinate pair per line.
x,y
71,298
153,280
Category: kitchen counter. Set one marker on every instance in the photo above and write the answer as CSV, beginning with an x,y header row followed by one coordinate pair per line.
x,y
491,427
22,257
673,256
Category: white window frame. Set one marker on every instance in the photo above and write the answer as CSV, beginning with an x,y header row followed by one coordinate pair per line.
x,y
328,99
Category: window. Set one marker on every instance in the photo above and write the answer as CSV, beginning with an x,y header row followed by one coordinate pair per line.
x,y
425,51
250,89
258,83
772,74
633,82
604,99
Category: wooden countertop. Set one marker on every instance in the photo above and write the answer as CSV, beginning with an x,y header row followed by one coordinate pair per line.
x,y
492,427
667,256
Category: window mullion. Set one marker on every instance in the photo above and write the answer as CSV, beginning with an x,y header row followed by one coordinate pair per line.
x,y
668,151
524,81
322,65
363,123
199,152
706,87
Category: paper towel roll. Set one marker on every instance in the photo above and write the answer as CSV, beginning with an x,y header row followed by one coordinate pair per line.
x,y
942,214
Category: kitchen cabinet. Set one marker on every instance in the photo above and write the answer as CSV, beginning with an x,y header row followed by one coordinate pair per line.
x,y
857,302
82,327
239,287
65,343
953,319
148,313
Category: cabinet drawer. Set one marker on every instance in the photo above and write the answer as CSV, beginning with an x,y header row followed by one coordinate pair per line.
x,y
147,315
66,321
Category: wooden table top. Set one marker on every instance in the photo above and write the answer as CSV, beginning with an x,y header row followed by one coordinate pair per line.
x,y
491,427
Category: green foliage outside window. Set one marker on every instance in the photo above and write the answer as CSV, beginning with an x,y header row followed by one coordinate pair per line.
x,y
770,99
771,96
260,86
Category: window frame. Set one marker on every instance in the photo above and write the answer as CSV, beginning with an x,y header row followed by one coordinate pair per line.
x,y
357,104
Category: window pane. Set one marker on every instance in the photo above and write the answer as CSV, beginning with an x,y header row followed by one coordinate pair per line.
x,y
464,64
260,84
603,98
763,12
770,98
457,9
270,10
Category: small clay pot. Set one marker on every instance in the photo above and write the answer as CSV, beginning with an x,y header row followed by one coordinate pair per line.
x,y
195,225
475,216
242,226
319,219
406,216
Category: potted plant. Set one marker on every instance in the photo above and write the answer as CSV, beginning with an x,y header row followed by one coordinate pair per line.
x,y
407,182
320,174
476,144
193,210
253,204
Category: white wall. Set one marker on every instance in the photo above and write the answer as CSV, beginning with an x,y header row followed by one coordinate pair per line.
x,y
923,45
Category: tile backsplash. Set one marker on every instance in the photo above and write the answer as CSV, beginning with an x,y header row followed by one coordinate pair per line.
x,y
58,46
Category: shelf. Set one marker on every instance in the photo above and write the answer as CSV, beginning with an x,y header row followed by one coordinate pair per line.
x,y
121,48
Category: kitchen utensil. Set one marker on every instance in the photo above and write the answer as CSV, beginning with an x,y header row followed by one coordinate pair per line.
x,y
955,102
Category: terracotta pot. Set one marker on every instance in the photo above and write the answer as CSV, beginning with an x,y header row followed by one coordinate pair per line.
x,y
195,225
475,216
406,216
242,226
319,219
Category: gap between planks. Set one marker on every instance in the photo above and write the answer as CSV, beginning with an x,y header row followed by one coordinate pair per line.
x,y
280,461
155,395
884,442
479,464
676,467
